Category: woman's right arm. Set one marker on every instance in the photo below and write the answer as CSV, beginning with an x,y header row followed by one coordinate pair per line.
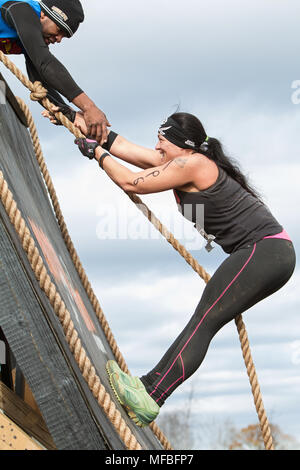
x,y
137,155
129,152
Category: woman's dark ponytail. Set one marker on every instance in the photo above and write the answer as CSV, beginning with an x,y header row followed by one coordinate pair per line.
x,y
214,151
212,148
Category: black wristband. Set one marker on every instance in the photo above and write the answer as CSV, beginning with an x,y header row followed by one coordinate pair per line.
x,y
110,140
105,154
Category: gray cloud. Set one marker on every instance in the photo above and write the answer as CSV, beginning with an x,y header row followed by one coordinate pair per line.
x,y
232,64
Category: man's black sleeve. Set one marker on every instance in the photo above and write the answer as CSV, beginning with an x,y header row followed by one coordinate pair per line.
x,y
52,94
41,64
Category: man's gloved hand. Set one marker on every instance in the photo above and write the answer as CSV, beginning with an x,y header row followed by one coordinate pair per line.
x,y
66,110
87,147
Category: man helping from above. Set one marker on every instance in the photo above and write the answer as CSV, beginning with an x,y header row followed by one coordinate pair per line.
x,y
28,27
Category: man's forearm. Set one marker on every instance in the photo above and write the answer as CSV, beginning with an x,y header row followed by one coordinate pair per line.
x,y
52,95
83,102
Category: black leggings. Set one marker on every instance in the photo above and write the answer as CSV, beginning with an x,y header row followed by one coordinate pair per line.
x,y
243,279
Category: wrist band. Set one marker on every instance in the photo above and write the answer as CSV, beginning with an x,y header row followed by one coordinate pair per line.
x,y
105,154
110,140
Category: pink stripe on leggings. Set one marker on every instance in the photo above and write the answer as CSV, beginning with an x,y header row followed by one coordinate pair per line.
x,y
170,387
182,377
199,324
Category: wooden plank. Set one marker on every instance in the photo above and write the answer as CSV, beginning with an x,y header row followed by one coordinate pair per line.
x,y
24,416
13,438
28,396
5,374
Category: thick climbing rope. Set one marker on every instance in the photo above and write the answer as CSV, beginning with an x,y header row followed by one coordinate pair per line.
x,y
67,239
75,258
38,93
243,336
41,274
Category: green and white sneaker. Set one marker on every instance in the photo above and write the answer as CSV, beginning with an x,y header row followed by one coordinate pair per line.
x,y
131,393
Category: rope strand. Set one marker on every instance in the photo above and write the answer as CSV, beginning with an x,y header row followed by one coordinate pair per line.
x,y
75,258
39,93
72,338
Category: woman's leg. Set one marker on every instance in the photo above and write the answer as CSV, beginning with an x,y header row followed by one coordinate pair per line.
x,y
243,279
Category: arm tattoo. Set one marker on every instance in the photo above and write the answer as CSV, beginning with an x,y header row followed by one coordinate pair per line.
x,y
138,180
141,179
166,166
154,173
180,161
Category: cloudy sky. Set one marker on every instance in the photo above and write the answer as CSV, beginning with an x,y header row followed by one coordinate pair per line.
x,y
234,64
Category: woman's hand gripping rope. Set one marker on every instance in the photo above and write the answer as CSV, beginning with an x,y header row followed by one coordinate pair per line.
x,y
87,147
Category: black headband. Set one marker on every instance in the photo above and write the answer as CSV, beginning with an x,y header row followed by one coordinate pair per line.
x,y
174,134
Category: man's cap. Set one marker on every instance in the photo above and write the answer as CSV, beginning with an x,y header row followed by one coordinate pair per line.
x,y
67,14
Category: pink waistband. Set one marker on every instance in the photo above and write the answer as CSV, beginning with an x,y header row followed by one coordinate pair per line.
x,y
283,235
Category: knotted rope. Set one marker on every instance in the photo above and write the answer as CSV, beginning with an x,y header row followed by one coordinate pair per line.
x,y
75,258
78,351
38,93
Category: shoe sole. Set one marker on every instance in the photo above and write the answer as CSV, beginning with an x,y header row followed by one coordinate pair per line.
x,y
128,410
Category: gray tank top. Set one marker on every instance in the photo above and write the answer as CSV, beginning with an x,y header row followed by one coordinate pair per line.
x,y
232,215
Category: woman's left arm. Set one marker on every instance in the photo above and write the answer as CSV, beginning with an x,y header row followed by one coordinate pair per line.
x,y
172,174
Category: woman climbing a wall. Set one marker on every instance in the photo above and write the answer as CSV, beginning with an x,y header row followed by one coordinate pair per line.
x,y
261,255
